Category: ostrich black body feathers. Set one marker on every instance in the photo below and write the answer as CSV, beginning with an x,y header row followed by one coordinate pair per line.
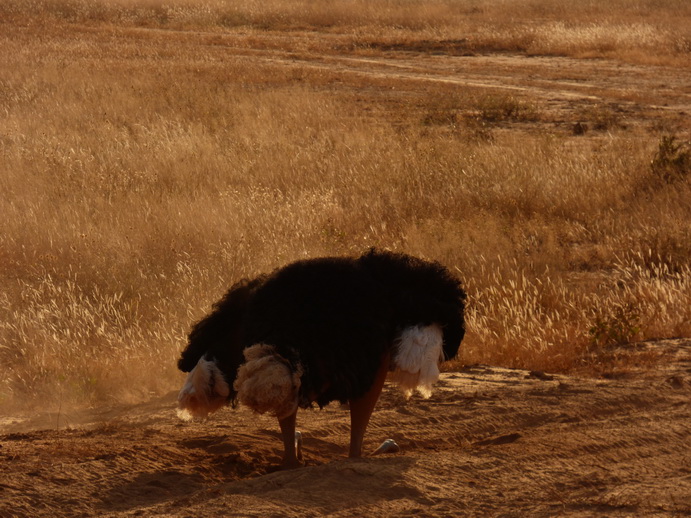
x,y
333,320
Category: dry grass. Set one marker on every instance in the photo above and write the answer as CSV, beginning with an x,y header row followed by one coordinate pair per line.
x,y
649,31
142,173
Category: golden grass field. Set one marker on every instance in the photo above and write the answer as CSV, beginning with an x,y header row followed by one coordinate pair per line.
x,y
154,152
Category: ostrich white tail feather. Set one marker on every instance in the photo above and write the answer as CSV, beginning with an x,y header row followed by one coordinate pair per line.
x,y
205,391
416,361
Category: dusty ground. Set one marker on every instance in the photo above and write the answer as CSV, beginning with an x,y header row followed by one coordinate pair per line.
x,y
490,442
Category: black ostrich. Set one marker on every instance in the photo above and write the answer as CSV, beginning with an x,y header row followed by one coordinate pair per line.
x,y
322,330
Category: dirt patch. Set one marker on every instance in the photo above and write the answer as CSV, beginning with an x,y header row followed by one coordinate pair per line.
x,y
490,441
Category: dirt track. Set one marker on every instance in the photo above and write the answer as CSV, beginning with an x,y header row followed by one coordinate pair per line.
x,y
566,90
490,442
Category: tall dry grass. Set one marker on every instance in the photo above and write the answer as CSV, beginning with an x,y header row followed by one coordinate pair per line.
x,y
140,179
648,31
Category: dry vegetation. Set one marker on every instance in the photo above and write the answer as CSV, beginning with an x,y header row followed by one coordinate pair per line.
x,y
155,151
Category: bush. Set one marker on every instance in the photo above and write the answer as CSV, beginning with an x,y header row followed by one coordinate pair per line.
x,y
672,161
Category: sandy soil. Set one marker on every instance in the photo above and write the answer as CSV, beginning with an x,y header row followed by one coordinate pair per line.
x,y
490,442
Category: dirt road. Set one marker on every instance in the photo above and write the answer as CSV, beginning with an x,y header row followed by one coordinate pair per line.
x,y
566,90
490,442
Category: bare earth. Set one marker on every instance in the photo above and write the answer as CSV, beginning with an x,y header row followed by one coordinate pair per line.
x,y
490,442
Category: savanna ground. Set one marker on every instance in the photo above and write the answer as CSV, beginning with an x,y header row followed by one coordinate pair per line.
x,y
155,152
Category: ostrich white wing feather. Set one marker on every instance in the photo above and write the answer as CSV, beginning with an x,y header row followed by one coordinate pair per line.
x,y
267,383
205,391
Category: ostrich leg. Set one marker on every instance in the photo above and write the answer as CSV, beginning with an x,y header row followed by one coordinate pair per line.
x,y
290,459
361,409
